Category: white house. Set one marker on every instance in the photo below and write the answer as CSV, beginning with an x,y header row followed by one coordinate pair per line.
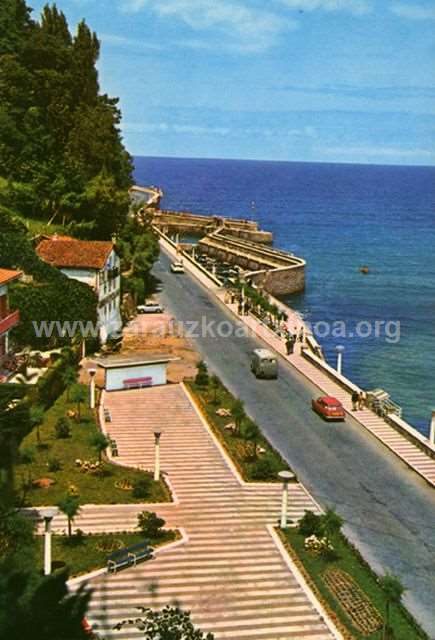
x,y
96,264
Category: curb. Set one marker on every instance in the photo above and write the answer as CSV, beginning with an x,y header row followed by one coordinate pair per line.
x,y
303,584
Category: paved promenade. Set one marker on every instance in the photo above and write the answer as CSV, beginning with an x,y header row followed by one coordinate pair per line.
x,y
229,573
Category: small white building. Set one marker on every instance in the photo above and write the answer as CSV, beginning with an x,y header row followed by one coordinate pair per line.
x,y
135,372
96,264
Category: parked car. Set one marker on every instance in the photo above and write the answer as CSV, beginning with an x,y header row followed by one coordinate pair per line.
x,y
150,307
329,408
177,267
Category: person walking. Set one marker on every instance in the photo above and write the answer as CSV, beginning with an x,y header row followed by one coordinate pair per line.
x,y
361,401
289,344
355,400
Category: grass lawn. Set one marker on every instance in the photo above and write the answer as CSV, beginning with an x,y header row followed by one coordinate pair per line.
x,y
240,450
92,489
82,555
348,560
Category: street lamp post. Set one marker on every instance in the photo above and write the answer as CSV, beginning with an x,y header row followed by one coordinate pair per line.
x,y
339,349
157,435
92,371
432,428
285,476
48,515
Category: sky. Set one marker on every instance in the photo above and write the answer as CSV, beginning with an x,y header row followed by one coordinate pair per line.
x,y
297,80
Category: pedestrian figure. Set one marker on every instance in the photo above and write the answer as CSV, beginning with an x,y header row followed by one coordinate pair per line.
x,y
233,297
355,400
361,401
289,345
301,334
239,307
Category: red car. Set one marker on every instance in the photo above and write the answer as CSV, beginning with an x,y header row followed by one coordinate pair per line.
x,y
329,408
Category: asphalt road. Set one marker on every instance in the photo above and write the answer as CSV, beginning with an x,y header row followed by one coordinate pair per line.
x,y
388,509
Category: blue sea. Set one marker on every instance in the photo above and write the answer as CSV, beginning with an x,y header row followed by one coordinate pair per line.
x,y
339,217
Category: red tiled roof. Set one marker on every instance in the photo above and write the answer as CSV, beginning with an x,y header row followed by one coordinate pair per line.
x,y
7,275
63,251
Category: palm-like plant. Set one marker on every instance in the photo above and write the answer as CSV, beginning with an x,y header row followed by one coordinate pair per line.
x,y
100,443
78,395
393,591
331,523
214,385
36,419
69,377
252,433
238,413
70,506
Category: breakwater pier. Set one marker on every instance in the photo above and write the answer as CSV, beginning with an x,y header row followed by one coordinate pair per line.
x,y
234,241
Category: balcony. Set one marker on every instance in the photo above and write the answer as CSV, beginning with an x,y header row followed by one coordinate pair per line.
x,y
9,321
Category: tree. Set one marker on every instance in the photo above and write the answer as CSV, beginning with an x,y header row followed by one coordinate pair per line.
x,y
251,432
69,377
331,523
238,413
79,394
37,416
393,591
150,524
100,443
171,623
201,378
70,506
215,384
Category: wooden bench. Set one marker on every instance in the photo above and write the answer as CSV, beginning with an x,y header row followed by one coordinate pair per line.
x,y
113,445
134,383
129,556
107,415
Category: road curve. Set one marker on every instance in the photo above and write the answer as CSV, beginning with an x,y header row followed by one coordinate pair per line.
x,y
389,510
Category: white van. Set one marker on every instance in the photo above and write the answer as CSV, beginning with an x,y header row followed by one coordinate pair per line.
x,y
264,364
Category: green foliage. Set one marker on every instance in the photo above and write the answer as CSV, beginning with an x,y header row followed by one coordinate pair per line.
x,y
142,487
100,443
138,248
150,524
51,295
214,386
27,455
78,394
171,623
36,419
54,464
238,413
265,469
63,428
61,147
310,524
201,378
393,591
70,506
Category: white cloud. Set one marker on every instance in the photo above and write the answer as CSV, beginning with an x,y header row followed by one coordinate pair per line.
x,y
357,7
413,11
249,28
165,127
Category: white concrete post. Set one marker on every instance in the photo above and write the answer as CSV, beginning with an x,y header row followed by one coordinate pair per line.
x,y
285,476
92,373
157,435
432,428
48,515
339,349
83,349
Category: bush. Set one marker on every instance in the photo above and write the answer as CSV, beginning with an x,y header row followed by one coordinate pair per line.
x,y
54,464
142,487
27,455
310,524
201,378
265,469
62,428
150,524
